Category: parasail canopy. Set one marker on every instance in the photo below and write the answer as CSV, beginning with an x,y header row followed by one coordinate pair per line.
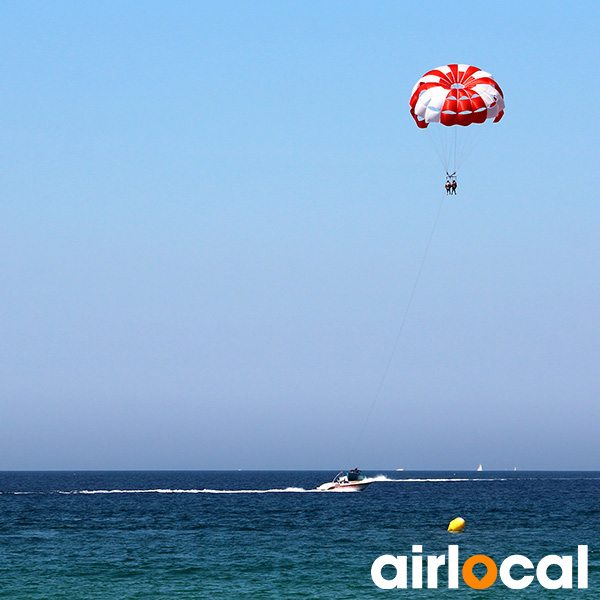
x,y
456,95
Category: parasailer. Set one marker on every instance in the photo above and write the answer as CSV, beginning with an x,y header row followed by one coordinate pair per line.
x,y
455,95
450,183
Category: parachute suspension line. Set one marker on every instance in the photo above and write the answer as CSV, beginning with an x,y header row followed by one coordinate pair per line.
x,y
451,147
471,141
455,139
437,141
399,334
463,143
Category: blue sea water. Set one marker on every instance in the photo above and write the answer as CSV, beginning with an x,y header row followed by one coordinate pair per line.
x,y
194,535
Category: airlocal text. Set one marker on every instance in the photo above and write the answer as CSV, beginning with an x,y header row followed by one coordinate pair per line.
x,y
513,581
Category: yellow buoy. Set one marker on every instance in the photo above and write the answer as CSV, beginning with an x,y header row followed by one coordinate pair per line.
x,y
456,524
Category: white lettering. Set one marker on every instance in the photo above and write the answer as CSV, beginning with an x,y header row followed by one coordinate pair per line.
x,y
399,563
433,562
505,576
417,568
453,567
582,566
417,572
565,580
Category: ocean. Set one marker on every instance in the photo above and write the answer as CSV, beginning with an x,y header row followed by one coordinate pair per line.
x,y
268,534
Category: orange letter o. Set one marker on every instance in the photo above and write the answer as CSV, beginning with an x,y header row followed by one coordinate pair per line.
x,y
487,580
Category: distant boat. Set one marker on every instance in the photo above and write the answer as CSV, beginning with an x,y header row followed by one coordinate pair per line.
x,y
399,469
480,468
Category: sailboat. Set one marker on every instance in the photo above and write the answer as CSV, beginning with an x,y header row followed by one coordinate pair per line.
x,y
480,468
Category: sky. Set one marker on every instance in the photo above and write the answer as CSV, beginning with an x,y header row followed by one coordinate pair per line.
x,y
214,213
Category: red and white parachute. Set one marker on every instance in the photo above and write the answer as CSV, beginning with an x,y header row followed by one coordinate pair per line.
x,y
455,95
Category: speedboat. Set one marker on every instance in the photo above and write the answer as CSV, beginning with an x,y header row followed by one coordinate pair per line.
x,y
347,481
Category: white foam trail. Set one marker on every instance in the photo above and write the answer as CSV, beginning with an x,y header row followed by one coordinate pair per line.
x,y
410,480
190,491
293,490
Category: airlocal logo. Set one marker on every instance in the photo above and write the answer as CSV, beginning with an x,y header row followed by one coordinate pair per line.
x,y
400,563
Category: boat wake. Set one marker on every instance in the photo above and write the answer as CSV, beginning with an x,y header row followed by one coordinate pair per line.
x,y
437,479
193,491
287,490
294,490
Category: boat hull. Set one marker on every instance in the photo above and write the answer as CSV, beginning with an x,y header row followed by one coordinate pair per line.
x,y
351,486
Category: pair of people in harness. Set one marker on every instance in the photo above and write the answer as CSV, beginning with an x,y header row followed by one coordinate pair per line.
x,y
450,184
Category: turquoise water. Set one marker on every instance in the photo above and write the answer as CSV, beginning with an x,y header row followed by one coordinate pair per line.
x,y
121,535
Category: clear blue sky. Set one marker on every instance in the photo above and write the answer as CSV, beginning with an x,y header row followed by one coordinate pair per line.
x,y
213,214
